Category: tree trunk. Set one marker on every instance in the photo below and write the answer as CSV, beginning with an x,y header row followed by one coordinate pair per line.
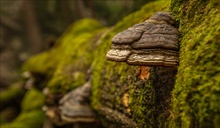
x,y
32,27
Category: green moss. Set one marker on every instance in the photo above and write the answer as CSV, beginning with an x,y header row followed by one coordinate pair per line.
x,y
67,63
32,119
33,100
142,102
31,115
77,58
197,90
41,63
12,92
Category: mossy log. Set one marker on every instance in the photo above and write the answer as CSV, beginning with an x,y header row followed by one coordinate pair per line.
x,y
184,97
187,96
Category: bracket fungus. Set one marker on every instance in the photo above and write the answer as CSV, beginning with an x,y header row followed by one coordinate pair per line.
x,y
154,42
74,107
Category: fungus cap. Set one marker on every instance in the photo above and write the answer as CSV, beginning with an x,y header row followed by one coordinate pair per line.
x,y
154,42
163,16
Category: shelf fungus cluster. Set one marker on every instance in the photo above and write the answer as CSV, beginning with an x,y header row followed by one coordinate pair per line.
x,y
154,42
74,106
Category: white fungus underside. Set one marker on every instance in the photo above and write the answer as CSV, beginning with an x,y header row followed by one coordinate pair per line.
x,y
118,55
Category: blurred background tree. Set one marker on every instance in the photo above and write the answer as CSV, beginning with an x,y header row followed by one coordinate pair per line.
x,y
30,26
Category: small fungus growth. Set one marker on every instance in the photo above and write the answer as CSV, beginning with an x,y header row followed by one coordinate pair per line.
x,y
74,105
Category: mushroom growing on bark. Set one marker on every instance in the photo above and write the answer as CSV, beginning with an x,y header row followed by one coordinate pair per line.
x,y
154,42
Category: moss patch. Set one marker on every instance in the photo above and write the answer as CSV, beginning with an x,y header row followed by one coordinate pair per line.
x,y
33,119
12,93
66,64
197,90
31,115
33,100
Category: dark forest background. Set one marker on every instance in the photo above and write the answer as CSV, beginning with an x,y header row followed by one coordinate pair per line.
x,y
28,27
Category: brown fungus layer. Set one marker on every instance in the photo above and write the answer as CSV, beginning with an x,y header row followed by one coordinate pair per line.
x,y
156,57
163,16
154,42
127,37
